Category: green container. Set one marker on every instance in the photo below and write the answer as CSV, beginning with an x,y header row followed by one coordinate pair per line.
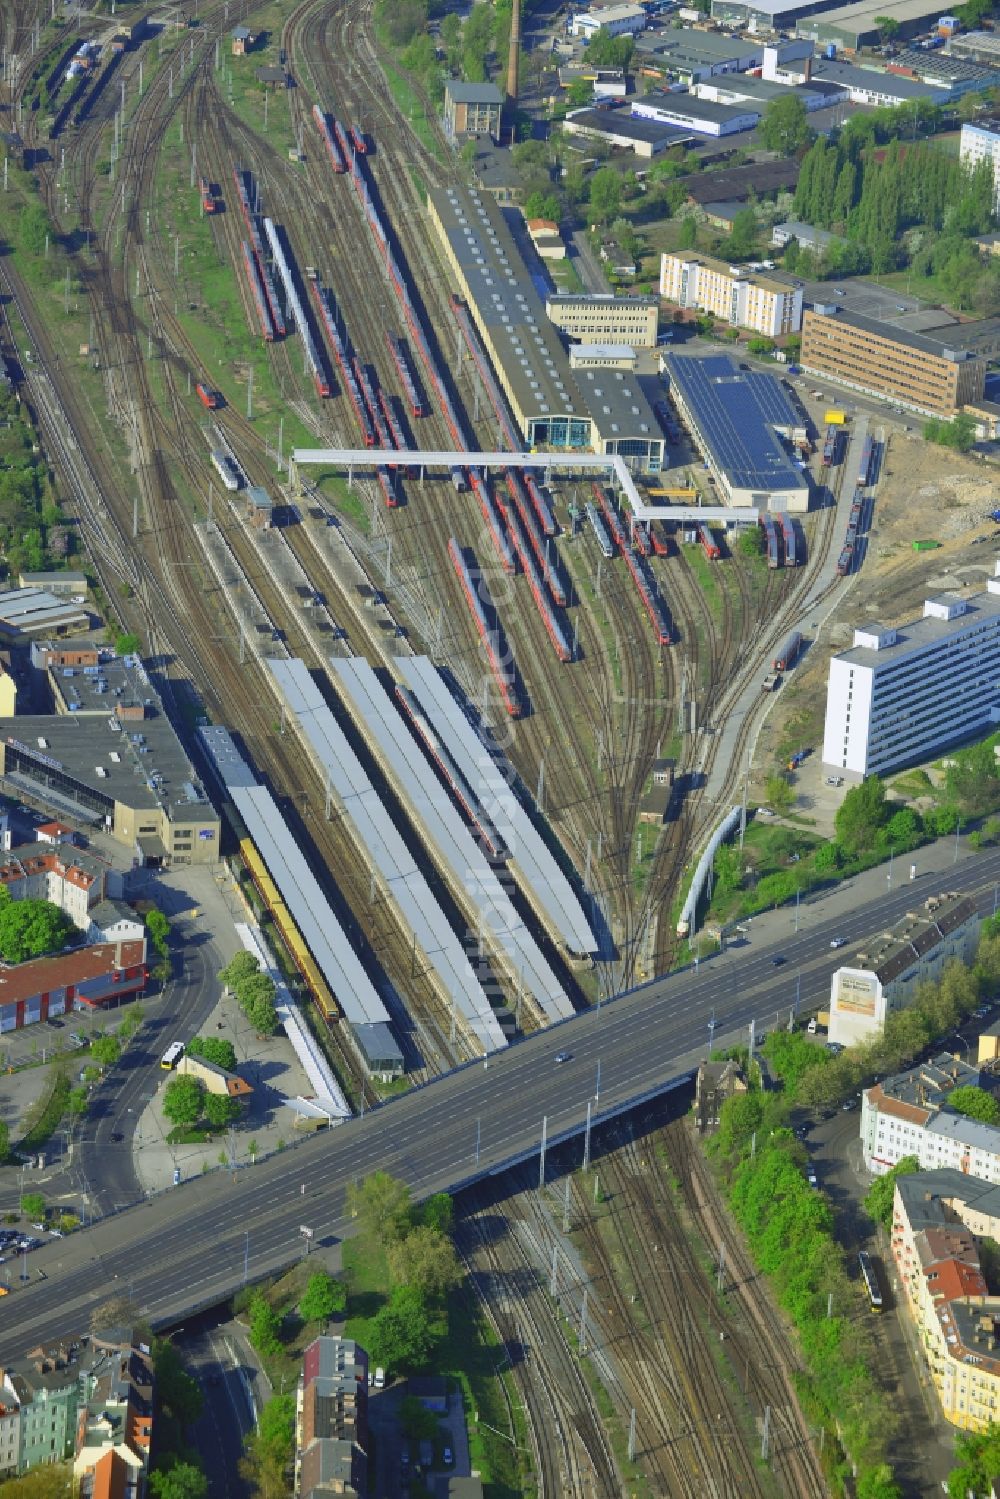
x,y
926,546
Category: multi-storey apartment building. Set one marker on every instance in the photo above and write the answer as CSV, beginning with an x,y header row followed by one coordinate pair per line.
x,y
936,374
898,696
981,142
883,975
908,1115
767,304
935,1217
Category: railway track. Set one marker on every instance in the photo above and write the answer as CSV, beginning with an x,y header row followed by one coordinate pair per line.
x,y
573,1455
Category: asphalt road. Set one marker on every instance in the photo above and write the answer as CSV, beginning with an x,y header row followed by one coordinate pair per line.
x,y
99,1170
190,1247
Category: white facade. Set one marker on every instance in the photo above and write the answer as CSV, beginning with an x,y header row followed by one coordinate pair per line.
x,y
729,121
617,20
979,143
743,299
887,973
889,1132
899,696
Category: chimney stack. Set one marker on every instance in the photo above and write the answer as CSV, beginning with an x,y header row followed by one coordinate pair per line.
x,y
514,54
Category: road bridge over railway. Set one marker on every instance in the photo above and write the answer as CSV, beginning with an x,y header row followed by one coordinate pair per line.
x,y
195,1245
615,468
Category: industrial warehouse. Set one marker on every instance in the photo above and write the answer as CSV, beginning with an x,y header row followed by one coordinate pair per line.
x,y
552,407
736,416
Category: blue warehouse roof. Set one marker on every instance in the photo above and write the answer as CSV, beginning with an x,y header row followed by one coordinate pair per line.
x,y
739,413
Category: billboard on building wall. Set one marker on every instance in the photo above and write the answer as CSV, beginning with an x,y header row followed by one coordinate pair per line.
x,y
856,994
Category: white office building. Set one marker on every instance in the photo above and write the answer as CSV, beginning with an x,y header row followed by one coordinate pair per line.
x,y
901,695
982,142
908,1115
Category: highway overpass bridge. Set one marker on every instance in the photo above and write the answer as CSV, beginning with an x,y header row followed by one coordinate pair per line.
x,y
185,1248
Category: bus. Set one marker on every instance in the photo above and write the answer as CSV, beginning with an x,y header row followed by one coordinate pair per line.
x,y
871,1281
172,1055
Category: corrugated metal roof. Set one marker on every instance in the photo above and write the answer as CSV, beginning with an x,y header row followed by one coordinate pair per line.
x,y
297,885
530,855
447,834
390,855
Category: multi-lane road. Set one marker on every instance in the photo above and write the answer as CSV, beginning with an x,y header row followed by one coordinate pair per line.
x,y
192,1246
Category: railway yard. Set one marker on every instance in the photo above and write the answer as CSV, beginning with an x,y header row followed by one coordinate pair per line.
x,y
243,299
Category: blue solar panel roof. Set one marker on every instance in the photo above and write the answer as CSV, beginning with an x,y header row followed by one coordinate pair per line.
x,y
737,412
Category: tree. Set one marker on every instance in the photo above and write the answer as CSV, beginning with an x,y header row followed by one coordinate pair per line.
x,y
687,236
323,1298
728,864
183,1100
243,966
220,1053
33,1205
106,1050
888,27
383,1205
785,126
220,1110
182,1481
29,928
127,643
401,1335
975,1103
779,792
265,1327
426,1260
175,1387
259,1010
860,815
972,779
977,1456
607,51
270,1447
605,195
742,236
418,1423
158,928
879,1197
878,1483
438,1212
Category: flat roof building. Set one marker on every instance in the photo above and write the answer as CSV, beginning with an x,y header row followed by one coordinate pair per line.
x,y
734,184
84,977
977,46
626,131
770,304
908,1115
933,374
855,26
63,584
808,236
26,613
741,88
883,974
866,86
766,15
735,417
595,318
616,20
601,356
690,55
554,407
472,108
687,112
110,757
899,696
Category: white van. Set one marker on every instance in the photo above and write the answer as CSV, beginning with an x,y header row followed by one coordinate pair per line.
x,y
812,1026
380,1378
